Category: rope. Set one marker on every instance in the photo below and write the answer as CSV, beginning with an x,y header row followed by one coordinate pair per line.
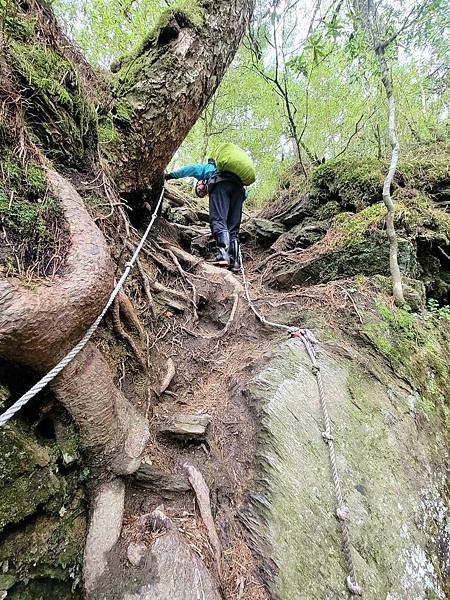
x,y
342,512
4,418
258,315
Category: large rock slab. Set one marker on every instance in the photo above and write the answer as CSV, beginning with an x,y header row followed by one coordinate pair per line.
x,y
103,534
392,472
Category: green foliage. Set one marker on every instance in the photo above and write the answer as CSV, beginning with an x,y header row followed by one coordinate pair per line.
x,y
437,311
331,78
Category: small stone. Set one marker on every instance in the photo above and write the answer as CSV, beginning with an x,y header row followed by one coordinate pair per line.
x,y
187,426
62,511
135,553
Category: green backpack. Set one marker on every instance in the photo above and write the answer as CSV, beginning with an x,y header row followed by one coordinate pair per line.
x,y
231,158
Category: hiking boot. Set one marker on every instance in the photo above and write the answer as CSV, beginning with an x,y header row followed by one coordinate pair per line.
x,y
235,263
222,258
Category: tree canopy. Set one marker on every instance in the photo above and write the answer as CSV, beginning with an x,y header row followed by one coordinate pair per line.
x,y
304,84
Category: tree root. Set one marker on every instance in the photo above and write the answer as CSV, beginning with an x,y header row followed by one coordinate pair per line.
x,y
118,328
202,494
39,325
146,285
185,279
127,309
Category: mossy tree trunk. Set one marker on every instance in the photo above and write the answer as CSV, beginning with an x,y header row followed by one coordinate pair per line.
x,y
162,89
51,103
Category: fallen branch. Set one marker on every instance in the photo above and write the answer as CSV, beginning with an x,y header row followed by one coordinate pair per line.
x,y
202,494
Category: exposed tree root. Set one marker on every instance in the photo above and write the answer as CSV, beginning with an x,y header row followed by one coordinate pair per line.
x,y
145,283
127,309
119,329
39,325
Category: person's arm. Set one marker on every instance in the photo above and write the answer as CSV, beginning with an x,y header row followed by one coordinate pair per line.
x,y
199,171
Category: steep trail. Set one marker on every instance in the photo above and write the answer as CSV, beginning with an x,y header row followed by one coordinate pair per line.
x,y
262,455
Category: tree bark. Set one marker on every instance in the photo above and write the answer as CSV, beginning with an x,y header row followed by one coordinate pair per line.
x,y
397,288
167,84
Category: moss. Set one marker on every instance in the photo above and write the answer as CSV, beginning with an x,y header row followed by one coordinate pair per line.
x,y
190,9
35,178
17,25
59,115
351,183
28,213
417,348
4,391
427,168
26,493
354,228
47,547
107,132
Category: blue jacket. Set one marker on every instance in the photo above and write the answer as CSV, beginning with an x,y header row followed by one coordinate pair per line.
x,y
199,171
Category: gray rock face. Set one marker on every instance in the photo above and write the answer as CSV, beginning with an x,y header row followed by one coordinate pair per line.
x,y
392,475
176,574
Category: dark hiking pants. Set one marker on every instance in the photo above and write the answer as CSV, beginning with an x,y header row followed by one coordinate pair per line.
x,y
226,198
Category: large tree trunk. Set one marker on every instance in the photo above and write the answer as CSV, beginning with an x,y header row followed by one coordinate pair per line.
x,y
168,83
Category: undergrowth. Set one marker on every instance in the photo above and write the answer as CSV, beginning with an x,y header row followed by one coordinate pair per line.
x,y
30,219
418,349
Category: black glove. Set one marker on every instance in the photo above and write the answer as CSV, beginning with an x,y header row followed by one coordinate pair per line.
x,y
168,176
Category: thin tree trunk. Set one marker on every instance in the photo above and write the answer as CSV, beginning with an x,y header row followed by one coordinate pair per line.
x,y
397,288
372,26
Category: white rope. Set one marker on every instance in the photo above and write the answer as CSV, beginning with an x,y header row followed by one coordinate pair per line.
x,y
310,343
258,315
4,418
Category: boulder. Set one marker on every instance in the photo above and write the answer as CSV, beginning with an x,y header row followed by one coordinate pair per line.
x,y
263,230
392,476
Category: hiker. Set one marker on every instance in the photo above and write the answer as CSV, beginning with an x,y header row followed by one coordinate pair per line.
x,y
223,177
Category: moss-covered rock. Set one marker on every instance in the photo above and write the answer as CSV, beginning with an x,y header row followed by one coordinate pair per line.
x,y
50,546
352,183
42,515
418,348
366,257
